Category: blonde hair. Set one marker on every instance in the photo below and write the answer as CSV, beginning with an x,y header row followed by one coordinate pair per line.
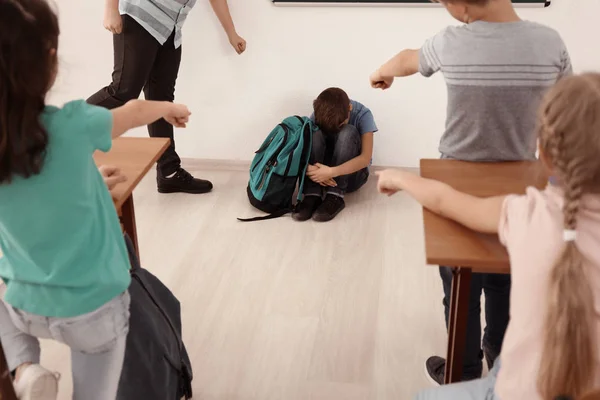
x,y
569,134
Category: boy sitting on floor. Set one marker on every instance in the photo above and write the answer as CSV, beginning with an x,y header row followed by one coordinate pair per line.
x,y
341,154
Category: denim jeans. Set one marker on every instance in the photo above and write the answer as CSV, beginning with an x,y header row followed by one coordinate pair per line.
x,y
97,342
334,150
496,288
480,389
141,63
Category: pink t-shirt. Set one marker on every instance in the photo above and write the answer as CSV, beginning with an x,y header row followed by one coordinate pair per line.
x,y
531,228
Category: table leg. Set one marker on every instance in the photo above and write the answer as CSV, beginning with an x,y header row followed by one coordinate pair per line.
x,y
457,324
128,220
7,392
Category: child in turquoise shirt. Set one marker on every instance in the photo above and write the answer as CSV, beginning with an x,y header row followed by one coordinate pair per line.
x,y
64,261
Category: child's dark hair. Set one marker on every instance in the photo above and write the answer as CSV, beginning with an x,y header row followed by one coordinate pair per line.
x,y
332,108
28,39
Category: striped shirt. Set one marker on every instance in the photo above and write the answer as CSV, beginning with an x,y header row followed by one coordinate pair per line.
x,y
159,17
496,75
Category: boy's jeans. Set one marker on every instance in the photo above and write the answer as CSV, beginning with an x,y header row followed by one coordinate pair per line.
x,y
480,389
97,342
332,151
497,295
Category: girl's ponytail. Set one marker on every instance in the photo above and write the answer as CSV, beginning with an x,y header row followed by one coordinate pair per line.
x,y
569,140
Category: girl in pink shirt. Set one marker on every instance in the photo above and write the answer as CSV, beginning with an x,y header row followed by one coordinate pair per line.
x,y
551,347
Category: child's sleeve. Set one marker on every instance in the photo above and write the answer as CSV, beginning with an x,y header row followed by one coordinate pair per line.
x,y
566,69
429,55
98,123
504,225
516,215
367,123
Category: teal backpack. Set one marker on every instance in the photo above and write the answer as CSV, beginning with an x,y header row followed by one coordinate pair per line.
x,y
278,166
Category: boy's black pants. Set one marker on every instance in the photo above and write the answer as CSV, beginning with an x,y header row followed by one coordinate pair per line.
x,y
142,63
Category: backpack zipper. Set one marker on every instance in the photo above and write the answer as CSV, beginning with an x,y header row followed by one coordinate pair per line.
x,y
257,163
273,160
264,176
265,145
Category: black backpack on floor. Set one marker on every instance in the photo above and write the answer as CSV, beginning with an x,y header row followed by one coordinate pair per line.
x,y
157,366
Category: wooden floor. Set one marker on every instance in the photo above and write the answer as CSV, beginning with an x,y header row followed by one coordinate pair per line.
x,y
292,311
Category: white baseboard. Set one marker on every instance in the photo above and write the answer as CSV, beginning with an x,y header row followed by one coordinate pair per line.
x,y
196,164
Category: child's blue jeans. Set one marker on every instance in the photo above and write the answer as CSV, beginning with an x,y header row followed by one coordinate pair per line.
x,y
334,150
480,389
97,342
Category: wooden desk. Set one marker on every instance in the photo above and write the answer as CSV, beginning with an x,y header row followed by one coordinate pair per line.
x,y
134,157
450,244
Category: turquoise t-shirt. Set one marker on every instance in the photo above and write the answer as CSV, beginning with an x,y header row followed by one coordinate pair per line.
x,y
63,249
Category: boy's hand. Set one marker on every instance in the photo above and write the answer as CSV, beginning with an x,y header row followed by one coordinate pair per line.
x,y
321,174
113,22
112,176
178,115
391,181
330,183
379,82
237,42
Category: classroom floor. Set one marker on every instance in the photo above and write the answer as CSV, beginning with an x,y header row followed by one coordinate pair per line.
x,y
281,310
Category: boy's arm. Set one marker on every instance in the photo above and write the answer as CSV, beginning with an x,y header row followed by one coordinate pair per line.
x,y
221,9
479,214
140,112
112,18
405,63
360,162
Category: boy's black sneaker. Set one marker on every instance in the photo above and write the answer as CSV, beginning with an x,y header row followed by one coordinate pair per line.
x,y
435,368
490,357
183,182
332,206
306,208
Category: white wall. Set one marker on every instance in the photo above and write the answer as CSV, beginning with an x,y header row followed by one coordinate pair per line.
x,y
293,53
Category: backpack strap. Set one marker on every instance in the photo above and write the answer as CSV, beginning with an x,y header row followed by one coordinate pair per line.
x,y
276,214
133,258
305,155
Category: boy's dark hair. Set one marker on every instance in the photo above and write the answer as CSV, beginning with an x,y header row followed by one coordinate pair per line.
x,y
28,33
332,108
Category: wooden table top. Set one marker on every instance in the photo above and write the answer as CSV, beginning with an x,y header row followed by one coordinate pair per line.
x,y
135,157
450,244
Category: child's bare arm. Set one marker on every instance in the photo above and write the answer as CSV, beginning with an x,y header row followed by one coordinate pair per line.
x,y
405,63
478,214
139,113
221,9
112,19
